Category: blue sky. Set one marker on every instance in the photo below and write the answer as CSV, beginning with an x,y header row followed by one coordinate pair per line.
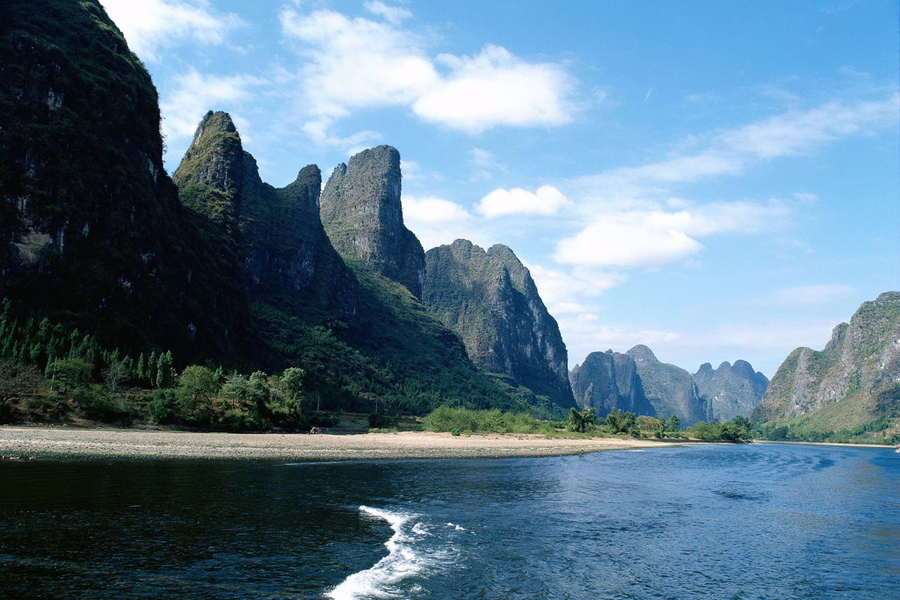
x,y
717,180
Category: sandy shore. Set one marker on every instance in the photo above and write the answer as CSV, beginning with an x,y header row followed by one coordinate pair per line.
x,y
67,442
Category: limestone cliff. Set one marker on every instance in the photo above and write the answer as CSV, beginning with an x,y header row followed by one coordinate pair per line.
x,y
361,212
670,389
277,231
854,381
733,390
490,300
608,381
91,230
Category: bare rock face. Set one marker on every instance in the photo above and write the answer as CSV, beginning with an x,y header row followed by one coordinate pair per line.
x,y
855,379
277,231
670,389
490,300
609,381
733,390
361,211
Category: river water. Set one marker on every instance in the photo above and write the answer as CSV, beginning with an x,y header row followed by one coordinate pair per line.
x,y
713,521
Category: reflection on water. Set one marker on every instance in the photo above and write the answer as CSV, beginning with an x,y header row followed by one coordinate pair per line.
x,y
760,521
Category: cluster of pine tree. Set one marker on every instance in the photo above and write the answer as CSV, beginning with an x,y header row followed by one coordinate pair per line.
x,y
51,374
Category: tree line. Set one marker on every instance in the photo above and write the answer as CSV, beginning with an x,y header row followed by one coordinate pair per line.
x,y
51,374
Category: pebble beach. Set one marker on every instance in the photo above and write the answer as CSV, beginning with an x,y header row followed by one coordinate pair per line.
x,y
23,443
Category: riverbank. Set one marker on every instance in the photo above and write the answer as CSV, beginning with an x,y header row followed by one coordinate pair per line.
x,y
73,443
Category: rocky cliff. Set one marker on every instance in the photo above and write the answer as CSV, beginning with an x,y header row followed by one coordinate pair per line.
x,y
490,300
277,232
608,381
92,233
733,390
361,211
853,382
670,389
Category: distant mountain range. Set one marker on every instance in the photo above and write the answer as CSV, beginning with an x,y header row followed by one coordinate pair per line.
x,y
638,382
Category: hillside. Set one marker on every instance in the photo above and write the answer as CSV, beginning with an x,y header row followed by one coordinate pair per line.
x,y
848,390
490,300
105,259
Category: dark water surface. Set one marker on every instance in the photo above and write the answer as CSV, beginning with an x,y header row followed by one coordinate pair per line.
x,y
718,522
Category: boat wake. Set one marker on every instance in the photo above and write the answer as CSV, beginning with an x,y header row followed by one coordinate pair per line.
x,y
407,558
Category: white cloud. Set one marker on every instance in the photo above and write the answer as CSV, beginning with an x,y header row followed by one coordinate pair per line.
x,y
547,200
799,132
149,25
657,237
432,210
391,14
731,152
485,164
353,63
629,240
496,88
634,221
585,334
810,295
197,93
564,293
436,221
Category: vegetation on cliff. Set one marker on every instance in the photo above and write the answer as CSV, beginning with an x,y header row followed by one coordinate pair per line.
x,y
849,391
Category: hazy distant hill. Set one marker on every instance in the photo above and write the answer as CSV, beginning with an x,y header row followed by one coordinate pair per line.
x,y
670,389
609,381
733,390
849,389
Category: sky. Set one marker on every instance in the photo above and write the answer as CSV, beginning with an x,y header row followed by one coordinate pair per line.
x,y
715,180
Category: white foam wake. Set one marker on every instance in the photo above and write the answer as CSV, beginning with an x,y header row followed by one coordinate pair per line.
x,y
401,563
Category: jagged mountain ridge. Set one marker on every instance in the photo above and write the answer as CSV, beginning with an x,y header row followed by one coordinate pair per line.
x,y
733,390
284,246
609,381
490,300
94,235
670,389
851,383
351,324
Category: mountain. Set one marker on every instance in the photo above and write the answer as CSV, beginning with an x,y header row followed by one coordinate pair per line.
x,y
850,388
222,268
281,240
733,390
92,234
360,209
349,319
608,381
670,389
490,300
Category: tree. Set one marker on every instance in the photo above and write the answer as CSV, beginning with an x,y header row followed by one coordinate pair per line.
x,y
117,373
165,374
18,380
292,383
70,373
197,386
581,420
674,423
614,421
